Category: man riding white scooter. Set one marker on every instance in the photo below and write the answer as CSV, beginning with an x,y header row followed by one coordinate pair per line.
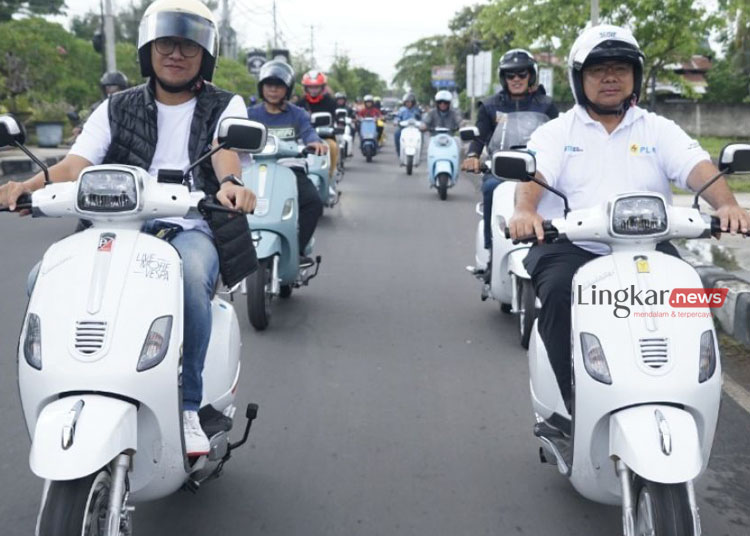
x,y
167,123
604,146
518,74
408,111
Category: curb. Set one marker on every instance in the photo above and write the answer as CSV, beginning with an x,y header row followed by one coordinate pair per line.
x,y
734,315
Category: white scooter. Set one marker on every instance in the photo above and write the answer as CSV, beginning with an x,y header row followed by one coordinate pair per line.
x,y
410,144
647,379
99,359
344,133
505,279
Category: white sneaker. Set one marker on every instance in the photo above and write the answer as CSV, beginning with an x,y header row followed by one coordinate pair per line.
x,y
196,442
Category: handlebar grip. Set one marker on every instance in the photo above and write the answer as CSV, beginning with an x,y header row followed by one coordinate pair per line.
x,y
22,203
213,207
716,227
550,234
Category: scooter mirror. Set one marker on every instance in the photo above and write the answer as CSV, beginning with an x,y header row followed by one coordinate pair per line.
x,y
735,158
469,133
321,119
326,132
513,165
11,131
242,135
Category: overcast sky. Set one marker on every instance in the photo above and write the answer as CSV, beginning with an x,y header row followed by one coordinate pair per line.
x,y
373,33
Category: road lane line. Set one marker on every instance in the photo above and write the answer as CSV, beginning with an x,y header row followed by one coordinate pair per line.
x,y
738,393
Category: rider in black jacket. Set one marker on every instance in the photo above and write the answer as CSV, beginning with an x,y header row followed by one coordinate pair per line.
x,y
520,93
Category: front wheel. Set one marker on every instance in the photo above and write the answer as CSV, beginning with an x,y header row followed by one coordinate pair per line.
x,y
662,509
79,508
526,310
368,157
442,186
259,296
409,164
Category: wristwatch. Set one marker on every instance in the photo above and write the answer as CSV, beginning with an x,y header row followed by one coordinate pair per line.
x,y
472,155
234,179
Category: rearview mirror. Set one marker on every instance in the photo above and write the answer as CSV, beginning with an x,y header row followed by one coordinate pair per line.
x,y
11,131
469,133
321,119
735,158
242,135
513,165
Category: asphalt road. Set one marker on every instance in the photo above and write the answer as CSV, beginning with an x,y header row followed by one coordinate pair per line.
x,y
392,401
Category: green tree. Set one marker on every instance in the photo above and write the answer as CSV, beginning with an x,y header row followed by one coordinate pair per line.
x,y
8,8
414,69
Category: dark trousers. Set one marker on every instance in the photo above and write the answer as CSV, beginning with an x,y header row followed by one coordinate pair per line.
x,y
489,183
310,209
552,267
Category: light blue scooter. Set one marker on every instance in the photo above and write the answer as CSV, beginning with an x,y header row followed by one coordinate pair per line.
x,y
442,161
319,166
275,231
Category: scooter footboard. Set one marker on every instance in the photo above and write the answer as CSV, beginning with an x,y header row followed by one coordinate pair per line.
x,y
78,435
658,443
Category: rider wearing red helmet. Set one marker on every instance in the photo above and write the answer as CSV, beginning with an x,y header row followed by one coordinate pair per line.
x,y
317,99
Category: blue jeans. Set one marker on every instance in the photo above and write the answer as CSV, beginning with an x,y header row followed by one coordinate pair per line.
x,y
397,142
488,188
200,268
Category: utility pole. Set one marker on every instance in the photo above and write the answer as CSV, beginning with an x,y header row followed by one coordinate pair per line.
x,y
594,12
109,37
275,30
312,45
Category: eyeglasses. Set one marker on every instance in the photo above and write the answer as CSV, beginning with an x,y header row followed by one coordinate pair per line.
x,y
600,70
512,75
166,46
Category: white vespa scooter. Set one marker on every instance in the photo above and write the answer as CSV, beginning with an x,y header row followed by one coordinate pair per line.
x,y
505,279
410,142
99,359
647,379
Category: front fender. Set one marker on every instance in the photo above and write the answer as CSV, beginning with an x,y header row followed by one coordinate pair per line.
x,y
635,438
105,427
443,166
269,245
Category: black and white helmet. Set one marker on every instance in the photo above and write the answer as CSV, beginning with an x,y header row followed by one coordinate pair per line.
x,y
600,44
516,60
278,71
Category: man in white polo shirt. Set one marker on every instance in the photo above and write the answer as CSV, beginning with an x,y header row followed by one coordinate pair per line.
x,y
603,146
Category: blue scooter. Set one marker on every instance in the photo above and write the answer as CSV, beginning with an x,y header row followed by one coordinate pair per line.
x,y
368,135
442,161
275,230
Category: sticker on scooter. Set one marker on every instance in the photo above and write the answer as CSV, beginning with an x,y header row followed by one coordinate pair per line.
x,y
106,240
152,267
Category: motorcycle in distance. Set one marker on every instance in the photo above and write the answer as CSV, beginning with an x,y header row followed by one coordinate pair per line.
x,y
410,144
99,358
275,229
368,137
346,136
442,161
500,269
319,165
647,383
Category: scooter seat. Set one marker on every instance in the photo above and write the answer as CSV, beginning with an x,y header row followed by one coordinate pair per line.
x,y
213,421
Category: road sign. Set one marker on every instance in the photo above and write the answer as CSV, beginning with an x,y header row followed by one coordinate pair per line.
x,y
478,74
255,60
443,77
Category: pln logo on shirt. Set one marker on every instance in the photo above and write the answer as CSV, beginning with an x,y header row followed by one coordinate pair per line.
x,y
637,149
573,149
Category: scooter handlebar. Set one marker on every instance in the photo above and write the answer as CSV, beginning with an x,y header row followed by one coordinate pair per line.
x,y
550,234
207,205
716,227
22,203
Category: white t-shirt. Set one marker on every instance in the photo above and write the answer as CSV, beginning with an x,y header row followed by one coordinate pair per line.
x,y
173,124
577,156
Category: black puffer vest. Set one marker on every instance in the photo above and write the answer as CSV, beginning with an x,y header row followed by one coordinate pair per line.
x,y
132,120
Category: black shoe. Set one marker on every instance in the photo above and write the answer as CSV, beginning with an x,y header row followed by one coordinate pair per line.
x,y
306,262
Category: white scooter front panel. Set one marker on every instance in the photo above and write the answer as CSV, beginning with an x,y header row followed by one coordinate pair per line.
x,y
411,144
503,249
652,359
96,296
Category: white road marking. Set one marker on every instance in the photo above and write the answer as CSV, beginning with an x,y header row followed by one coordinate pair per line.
x,y
738,393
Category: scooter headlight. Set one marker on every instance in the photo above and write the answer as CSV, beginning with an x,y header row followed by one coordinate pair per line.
x,y
443,141
594,359
707,361
32,343
156,344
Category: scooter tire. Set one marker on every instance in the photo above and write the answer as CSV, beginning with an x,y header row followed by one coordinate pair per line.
x,y
409,164
527,312
258,297
285,291
72,505
368,157
670,513
442,186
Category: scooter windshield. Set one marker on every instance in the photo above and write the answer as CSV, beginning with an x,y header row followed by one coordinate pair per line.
x,y
514,129
368,129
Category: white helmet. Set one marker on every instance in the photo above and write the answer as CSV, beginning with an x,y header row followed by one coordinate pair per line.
x,y
604,43
188,19
443,96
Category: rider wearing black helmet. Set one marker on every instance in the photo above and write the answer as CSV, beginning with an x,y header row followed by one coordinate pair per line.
x,y
520,92
112,82
290,122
